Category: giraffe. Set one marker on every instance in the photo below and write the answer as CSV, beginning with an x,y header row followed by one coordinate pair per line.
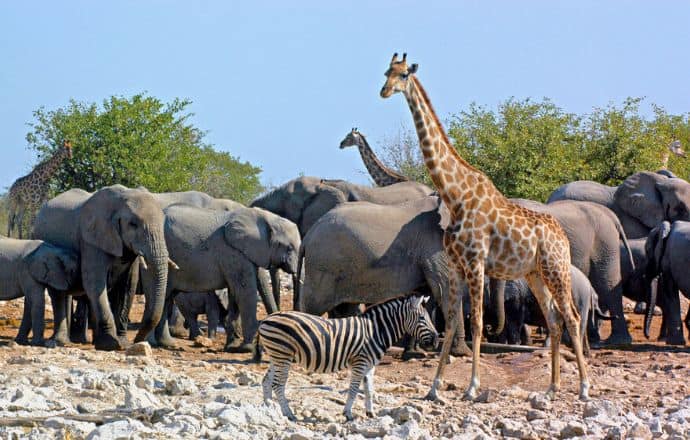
x,y
382,175
28,193
490,235
675,148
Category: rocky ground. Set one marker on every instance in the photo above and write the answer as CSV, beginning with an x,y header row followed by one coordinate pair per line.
x,y
198,391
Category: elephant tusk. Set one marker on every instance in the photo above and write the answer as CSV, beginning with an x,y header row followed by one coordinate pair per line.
x,y
172,264
143,262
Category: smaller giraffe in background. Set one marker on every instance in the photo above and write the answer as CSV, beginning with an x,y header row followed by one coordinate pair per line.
x,y
382,175
674,147
28,193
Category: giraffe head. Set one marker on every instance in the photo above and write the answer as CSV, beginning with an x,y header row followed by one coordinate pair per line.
x,y
67,146
397,76
353,139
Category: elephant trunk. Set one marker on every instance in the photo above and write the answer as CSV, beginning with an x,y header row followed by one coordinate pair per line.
x,y
154,282
653,288
497,305
297,280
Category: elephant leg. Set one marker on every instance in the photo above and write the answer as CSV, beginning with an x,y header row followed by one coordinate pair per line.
x,y
671,300
212,314
38,308
611,295
163,338
60,323
176,323
22,337
95,266
244,291
79,322
525,336
231,324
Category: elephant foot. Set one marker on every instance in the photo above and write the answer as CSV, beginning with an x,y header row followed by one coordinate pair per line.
x,y
168,343
178,331
675,340
107,342
76,339
244,348
21,341
460,349
412,354
617,340
640,308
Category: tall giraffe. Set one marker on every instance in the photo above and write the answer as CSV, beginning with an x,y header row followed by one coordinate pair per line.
x,y
490,235
28,193
382,175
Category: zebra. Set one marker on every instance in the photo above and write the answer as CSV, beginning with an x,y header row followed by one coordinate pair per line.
x,y
323,345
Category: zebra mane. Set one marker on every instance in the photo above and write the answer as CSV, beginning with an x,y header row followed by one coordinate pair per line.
x,y
399,301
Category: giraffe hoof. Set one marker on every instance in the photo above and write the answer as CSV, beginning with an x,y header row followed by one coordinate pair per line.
x,y
433,397
461,350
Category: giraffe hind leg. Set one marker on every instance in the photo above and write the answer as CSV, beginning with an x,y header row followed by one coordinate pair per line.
x,y
475,282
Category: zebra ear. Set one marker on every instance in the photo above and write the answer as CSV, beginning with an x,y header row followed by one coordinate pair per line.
x,y
425,299
418,301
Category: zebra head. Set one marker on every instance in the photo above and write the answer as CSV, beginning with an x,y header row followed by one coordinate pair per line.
x,y
418,323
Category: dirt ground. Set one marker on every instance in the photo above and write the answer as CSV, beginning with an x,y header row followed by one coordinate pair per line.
x,y
644,376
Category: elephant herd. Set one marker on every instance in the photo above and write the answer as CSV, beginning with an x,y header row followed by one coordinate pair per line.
x,y
344,244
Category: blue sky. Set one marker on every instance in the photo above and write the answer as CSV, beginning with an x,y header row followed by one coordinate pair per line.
x,y
280,85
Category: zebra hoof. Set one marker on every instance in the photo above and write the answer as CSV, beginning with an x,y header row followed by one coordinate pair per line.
x,y
348,417
370,414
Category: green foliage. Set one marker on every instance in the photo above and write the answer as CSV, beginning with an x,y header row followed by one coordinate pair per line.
x,y
530,148
139,141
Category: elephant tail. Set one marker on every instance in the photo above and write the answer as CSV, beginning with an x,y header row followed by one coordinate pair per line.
x,y
297,288
624,239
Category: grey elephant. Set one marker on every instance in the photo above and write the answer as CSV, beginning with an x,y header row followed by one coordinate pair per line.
x,y
109,230
213,304
521,308
28,268
641,202
362,252
595,234
666,273
305,199
219,249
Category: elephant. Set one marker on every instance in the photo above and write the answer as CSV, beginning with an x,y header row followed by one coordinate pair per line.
x,y
361,252
305,199
213,304
28,268
219,249
668,250
595,234
521,307
641,202
109,230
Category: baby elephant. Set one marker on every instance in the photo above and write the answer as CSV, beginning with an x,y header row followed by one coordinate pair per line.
x,y
27,268
213,304
521,308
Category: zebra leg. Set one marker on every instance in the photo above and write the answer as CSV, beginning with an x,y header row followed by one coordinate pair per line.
x,y
267,384
369,392
358,372
280,375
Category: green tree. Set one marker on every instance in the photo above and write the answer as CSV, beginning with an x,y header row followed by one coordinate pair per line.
x,y
139,141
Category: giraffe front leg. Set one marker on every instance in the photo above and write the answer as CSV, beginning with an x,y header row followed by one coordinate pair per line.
x,y
369,392
475,282
454,306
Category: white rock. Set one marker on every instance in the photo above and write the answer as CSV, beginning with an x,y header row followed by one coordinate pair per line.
x,y
403,414
371,428
410,431
137,398
539,401
513,428
26,399
140,349
81,429
180,385
596,408
120,429
573,429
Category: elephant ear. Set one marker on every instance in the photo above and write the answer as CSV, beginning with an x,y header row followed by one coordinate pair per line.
x,y
675,195
327,197
46,267
249,233
656,244
638,197
99,223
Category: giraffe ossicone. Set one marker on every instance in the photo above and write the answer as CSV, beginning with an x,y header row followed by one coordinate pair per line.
x,y
489,235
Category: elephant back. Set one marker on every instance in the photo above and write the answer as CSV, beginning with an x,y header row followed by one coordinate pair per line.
x,y
57,221
190,225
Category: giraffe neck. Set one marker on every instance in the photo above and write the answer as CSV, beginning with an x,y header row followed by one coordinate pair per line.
x,y
382,175
46,169
457,182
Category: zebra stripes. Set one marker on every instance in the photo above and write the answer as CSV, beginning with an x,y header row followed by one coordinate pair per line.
x,y
323,345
